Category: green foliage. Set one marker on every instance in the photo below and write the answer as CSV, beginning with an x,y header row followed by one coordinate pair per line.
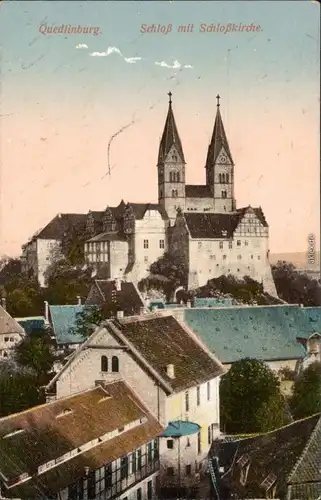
x,y
66,281
73,243
36,353
295,287
306,398
18,391
250,398
92,316
246,290
166,274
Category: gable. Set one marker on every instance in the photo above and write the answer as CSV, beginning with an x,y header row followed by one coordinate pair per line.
x,y
223,158
173,155
103,338
250,224
8,324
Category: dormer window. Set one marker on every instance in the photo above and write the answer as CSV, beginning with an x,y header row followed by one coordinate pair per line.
x,y
244,465
269,481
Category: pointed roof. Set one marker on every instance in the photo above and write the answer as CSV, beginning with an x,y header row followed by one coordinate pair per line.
x,y
219,139
9,325
170,135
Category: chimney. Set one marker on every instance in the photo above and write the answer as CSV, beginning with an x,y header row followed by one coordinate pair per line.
x,y
79,300
189,304
4,303
120,314
170,371
46,311
301,305
118,284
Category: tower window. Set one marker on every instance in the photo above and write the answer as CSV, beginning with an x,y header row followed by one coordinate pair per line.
x,y
224,194
174,193
174,177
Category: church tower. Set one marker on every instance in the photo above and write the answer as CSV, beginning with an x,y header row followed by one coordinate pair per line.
x,y
171,167
220,167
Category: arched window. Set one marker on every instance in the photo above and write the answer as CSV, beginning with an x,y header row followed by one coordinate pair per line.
x,y
177,177
104,364
171,176
227,179
224,194
114,364
174,193
220,178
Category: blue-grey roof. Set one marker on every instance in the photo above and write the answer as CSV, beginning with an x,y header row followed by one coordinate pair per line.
x,y
266,332
180,428
32,324
63,319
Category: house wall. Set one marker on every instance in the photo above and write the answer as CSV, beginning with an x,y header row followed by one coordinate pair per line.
x,y
85,370
45,251
206,415
118,258
199,204
247,258
151,228
7,342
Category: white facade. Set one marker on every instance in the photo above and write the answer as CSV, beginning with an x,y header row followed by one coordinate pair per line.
x,y
85,368
37,257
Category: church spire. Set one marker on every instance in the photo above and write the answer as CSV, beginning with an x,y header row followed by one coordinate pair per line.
x,y
219,140
170,136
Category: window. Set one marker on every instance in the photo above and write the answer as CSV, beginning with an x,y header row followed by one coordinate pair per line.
x,y
251,256
114,364
133,463
139,494
221,244
145,259
224,194
186,401
209,435
199,443
230,244
170,444
246,243
170,471
188,470
6,339
239,257
258,257
123,467
161,244
149,453
208,391
156,450
238,243
224,257
145,243
91,485
174,193
149,490
139,458
198,395
199,244
227,178
188,442
104,364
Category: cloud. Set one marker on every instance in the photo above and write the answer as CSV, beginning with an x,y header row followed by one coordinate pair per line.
x,y
175,65
81,46
132,60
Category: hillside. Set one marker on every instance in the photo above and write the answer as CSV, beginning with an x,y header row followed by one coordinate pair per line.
x,y
299,259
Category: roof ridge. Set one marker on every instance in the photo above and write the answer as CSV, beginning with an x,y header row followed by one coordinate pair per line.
x,y
307,446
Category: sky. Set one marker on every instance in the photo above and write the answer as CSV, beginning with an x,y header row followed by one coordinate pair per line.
x,y
82,114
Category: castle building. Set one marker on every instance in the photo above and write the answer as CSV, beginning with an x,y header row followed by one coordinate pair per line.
x,y
200,222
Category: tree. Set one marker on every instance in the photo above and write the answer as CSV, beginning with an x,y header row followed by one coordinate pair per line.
x,y
73,242
251,400
245,290
295,287
166,274
91,316
19,389
306,398
36,353
66,281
